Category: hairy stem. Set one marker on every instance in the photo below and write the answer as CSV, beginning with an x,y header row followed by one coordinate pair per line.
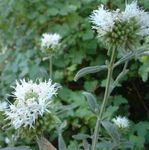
x,y
105,99
126,2
51,69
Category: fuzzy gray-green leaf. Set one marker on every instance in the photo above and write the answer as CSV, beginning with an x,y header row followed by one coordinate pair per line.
x,y
109,127
91,101
88,70
61,143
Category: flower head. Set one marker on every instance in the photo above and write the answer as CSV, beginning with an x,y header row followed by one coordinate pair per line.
x,y
121,122
121,28
50,41
133,11
103,20
32,100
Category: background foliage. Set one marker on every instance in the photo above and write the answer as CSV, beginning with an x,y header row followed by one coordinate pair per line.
x,y
21,26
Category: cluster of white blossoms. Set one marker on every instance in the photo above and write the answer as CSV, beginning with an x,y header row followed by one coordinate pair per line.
x,y
32,100
50,41
121,122
103,20
121,27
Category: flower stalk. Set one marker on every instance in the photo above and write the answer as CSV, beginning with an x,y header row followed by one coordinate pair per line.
x,y
51,67
105,99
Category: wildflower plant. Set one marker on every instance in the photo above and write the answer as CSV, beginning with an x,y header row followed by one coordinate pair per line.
x,y
118,30
33,101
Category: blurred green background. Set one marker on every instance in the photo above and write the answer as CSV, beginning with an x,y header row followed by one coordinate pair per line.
x,y
22,22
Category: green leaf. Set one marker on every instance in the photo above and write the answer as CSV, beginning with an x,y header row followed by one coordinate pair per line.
x,y
142,128
109,127
61,143
16,148
81,136
119,100
86,145
127,144
92,102
62,126
88,35
89,70
130,56
105,144
44,144
110,111
144,71
138,141
91,85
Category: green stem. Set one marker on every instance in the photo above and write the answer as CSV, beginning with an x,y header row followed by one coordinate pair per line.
x,y
51,69
105,99
126,2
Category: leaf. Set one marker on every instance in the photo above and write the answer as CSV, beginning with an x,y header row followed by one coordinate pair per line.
x,y
119,100
90,85
144,71
127,144
106,144
62,126
92,102
110,111
64,109
138,141
16,148
89,70
142,128
129,56
109,127
81,136
86,145
61,142
44,144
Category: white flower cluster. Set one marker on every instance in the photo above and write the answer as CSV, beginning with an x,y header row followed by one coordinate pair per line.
x,y
32,100
50,40
121,122
104,20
